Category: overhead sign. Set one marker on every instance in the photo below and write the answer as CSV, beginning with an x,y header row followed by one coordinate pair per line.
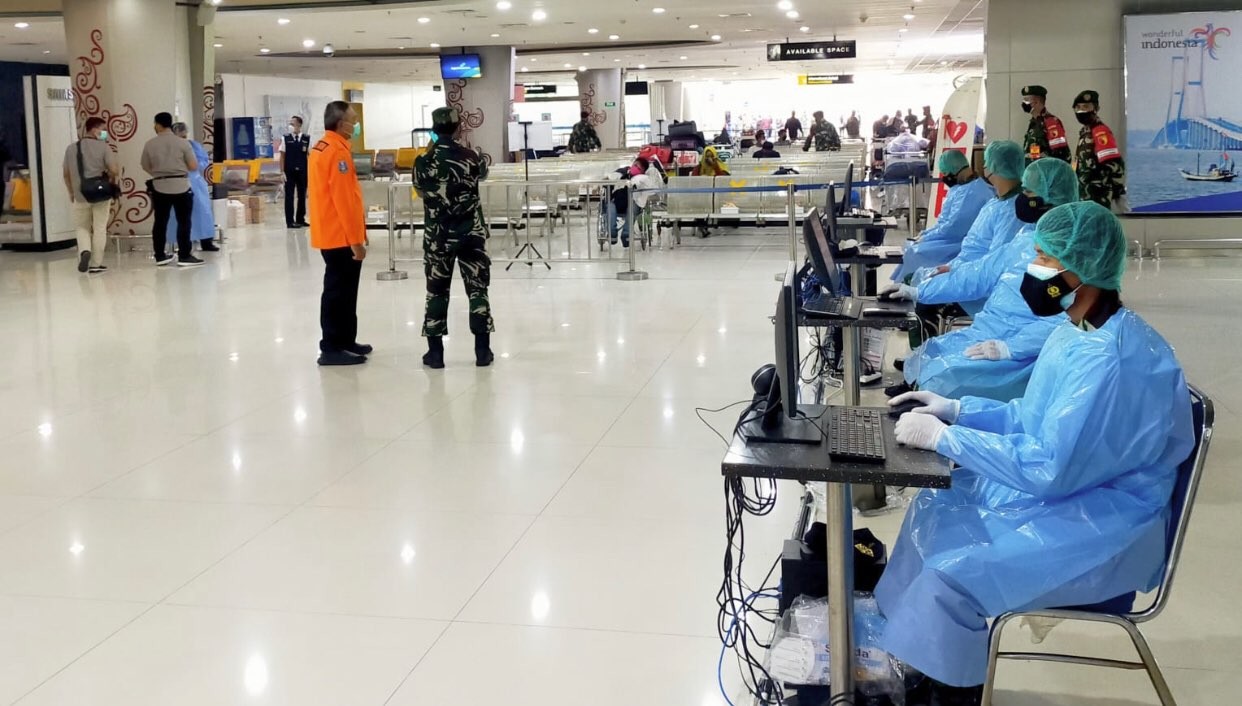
x,y
540,89
824,79
809,51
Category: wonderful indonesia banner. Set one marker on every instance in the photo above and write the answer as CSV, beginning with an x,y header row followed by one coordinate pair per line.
x,y
1184,112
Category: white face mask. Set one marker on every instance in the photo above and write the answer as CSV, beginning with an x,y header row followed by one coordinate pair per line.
x,y
1041,272
294,129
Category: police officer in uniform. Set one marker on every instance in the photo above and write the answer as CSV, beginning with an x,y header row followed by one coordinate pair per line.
x,y
1046,135
1100,167
293,152
447,178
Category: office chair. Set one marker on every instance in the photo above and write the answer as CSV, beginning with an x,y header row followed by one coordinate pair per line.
x,y
1188,475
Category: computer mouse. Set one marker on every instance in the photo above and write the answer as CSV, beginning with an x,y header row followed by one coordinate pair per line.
x,y
907,406
886,296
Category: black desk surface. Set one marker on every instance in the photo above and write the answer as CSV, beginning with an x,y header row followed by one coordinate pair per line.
x,y
870,258
898,321
905,467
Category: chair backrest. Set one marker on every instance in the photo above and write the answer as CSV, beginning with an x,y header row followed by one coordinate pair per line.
x,y
1183,501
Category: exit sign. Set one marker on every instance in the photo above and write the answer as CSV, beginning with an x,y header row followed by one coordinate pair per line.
x,y
610,104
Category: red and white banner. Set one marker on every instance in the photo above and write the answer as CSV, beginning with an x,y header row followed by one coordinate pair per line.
x,y
955,132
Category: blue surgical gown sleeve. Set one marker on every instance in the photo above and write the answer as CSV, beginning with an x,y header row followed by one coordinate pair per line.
x,y
969,281
1043,460
979,238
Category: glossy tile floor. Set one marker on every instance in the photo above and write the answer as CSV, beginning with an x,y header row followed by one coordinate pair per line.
x,y
191,512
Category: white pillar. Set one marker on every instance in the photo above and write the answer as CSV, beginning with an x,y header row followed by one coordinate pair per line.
x,y
115,49
600,92
485,104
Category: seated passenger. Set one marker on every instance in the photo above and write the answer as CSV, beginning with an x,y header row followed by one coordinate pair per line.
x,y
766,151
943,241
1061,497
993,357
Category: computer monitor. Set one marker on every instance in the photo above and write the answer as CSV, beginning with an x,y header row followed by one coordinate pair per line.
x,y
779,420
847,197
830,215
817,247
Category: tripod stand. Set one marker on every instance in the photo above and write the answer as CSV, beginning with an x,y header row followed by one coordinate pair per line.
x,y
526,205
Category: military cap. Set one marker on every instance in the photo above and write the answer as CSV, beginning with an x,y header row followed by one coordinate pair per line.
x,y
445,117
1088,97
1035,91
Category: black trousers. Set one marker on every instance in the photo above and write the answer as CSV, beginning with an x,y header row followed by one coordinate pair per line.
x,y
295,181
338,307
163,205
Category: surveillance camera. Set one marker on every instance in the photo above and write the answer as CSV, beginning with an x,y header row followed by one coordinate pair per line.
x,y
329,50
863,17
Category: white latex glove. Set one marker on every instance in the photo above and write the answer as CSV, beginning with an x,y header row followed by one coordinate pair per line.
x,y
904,291
920,431
934,405
989,350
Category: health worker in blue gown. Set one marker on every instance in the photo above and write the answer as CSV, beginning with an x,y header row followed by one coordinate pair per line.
x,y
202,220
993,357
968,194
1062,496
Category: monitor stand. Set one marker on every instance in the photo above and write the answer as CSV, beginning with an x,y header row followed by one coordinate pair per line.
x,y
777,428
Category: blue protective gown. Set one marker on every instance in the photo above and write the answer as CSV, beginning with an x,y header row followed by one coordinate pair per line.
x,y
943,241
996,225
1062,498
940,364
202,220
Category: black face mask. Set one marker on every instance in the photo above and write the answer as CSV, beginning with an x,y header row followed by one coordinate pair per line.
x,y
1044,296
1026,107
950,180
1085,118
1030,209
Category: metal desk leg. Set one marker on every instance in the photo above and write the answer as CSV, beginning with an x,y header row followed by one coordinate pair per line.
x,y
851,363
858,279
841,593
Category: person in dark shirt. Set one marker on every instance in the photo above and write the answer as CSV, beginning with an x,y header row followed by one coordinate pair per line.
x,y
793,126
766,152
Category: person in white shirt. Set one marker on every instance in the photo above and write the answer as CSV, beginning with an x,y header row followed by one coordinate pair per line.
x,y
294,149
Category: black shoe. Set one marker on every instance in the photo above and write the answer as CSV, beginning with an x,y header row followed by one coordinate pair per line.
x,y
899,389
341,358
899,364
84,261
162,260
96,270
189,261
208,246
483,356
301,224
359,349
291,226
434,357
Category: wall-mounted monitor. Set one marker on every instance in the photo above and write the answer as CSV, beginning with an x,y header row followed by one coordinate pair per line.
x,y
460,66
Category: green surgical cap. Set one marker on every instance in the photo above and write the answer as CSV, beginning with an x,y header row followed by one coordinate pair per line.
x,y
952,162
1088,240
1005,159
1053,180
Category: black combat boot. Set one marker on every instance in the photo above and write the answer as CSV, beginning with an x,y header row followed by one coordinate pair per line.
x,y
434,357
483,356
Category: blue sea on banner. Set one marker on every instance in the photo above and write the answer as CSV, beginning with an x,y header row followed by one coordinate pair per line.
x,y
1155,184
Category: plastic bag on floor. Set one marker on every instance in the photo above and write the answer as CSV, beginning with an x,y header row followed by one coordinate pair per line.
x,y
801,654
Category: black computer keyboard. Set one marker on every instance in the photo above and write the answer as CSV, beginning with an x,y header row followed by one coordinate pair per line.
x,y
855,434
831,307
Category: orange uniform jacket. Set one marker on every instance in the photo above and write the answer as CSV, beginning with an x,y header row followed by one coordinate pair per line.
x,y
337,217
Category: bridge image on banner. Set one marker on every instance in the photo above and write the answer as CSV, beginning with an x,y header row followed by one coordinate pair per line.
x,y
1181,143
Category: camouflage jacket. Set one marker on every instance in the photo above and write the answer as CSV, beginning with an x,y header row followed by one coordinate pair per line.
x,y
824,135
1046,137
447,178
1100,168
583,138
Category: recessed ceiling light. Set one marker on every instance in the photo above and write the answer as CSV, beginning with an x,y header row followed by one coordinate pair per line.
x,y
283,21
785,5
614,37
658,10
592,31
504,5
539,15
21,25
532,59
495,34
308,43
715,37
424,20
804,29
265,50
616,61
642,66
400,48
694,26
581,69
526,68
49,51
683,58
792,14
908,16
434,45
218,45
569,66
904,29
586,53
943,63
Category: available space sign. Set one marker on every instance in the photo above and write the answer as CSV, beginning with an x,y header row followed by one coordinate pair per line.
x,y
809,51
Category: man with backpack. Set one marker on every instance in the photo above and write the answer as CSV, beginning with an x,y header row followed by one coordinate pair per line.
x,y
90,162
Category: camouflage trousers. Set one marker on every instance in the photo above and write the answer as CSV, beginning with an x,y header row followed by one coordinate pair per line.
x,y
470,254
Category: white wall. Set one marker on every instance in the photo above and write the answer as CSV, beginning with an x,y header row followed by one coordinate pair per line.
x,y
392,110
245,96
1036,43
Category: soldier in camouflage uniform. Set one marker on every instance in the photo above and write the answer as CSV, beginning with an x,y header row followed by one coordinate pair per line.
x,y
1045,136
584,138
823,134
1101,170
447,178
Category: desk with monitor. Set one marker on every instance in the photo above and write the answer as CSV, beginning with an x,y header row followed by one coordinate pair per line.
x,y
800,442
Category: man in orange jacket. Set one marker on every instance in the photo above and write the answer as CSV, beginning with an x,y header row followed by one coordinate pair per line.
x,y
338,231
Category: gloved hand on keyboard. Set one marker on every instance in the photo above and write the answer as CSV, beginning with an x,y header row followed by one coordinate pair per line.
x,y
920,431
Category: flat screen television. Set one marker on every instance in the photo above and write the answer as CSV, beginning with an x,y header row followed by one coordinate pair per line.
x,y
460,66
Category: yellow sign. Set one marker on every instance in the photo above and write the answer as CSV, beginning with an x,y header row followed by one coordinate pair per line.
x,y
824,79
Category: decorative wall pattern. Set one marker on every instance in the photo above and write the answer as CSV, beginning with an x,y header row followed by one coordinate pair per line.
x,y
587,99
471,120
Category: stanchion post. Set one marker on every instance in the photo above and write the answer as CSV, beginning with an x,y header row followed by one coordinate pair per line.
x,y
633,274
790,207
914,208
392,273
